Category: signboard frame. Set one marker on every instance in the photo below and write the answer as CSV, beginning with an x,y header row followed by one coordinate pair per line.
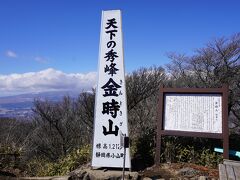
x,y
194,91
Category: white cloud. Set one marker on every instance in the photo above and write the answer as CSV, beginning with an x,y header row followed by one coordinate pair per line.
x,y
40,59
11,54
46,80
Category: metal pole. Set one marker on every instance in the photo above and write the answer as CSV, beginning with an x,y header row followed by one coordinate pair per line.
x,y
124,157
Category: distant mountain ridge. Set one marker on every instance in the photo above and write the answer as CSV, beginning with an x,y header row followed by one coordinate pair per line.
x,y
21,105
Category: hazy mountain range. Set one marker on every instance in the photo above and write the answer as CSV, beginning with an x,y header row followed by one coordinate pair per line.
x,y
21,105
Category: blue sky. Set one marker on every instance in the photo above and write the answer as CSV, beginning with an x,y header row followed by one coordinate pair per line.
x,y
63,35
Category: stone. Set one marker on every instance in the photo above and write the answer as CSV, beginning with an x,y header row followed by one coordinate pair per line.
x,y
61,178
202,178
96,174
187,172
41,178
147,178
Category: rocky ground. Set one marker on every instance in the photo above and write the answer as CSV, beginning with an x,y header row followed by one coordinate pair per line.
x,y
164,171
179,170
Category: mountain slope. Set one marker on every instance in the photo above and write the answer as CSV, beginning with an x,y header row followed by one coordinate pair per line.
x,y
21,105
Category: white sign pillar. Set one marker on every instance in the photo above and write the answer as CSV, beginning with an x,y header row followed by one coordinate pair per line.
x,y
110,118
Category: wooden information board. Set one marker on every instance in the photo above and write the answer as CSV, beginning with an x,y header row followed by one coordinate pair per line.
x,y
194,112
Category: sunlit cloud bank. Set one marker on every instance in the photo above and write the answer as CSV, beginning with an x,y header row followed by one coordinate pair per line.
x,y
46,80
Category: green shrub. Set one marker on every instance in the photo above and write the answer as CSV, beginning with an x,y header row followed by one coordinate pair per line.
x,y
144,148
186,154
38,167
204,157
75,158
9,155
176,150
209,158
42,167
170,149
